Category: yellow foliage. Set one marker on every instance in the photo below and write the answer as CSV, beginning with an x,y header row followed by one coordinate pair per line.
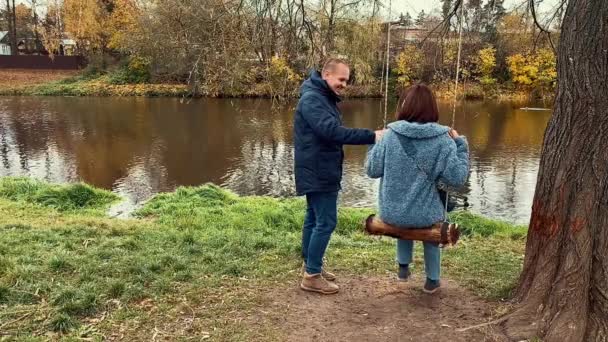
x,y
409,65
485,64
280,69
123,22
533,70
546,63
363,71
139,64
84,20
281,77
51,35
100,87
23,14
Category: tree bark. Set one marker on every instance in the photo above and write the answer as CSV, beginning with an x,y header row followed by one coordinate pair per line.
x,y
563,290
10,18
14,33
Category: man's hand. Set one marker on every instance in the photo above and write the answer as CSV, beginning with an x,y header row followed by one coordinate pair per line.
x,y
379,134
453,133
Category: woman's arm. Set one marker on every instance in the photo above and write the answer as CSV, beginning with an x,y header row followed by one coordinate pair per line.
x,y
374,163
456,170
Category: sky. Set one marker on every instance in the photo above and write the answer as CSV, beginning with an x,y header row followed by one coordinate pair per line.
x,y
415,6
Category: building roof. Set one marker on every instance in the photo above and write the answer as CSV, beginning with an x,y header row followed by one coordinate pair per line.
x,y
3,34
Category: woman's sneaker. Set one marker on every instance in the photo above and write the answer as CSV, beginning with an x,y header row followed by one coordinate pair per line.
x,y
404,272
431,286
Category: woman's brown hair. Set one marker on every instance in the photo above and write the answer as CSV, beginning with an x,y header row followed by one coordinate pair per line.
x,y
417,104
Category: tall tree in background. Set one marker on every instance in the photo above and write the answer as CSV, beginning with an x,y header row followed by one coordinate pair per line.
x,y
24,21
446,7
34,7
493,12
475,15
420,19
331,13
85,20
406,19
11,19
50,28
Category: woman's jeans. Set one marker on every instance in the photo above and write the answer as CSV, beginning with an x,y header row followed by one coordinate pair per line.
x,y
320,221
432,257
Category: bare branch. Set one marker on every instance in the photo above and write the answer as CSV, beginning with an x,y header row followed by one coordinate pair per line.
x,y
532,7
444,26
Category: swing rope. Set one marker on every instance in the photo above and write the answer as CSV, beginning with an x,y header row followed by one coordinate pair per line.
x,y
388,46
447,192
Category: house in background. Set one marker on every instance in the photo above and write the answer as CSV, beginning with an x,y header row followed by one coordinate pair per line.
x,y
5,46
32,54
67,47
33,46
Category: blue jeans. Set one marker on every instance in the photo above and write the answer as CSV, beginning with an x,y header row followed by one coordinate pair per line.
x,y
320,221
432,257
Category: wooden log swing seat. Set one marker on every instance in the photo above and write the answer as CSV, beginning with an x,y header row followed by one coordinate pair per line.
x,y
442,233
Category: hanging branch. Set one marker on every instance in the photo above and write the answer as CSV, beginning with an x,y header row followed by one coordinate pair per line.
x,y
444,26
532,7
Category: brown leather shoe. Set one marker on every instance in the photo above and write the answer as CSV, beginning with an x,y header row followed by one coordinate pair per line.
x,y
327,275
316,283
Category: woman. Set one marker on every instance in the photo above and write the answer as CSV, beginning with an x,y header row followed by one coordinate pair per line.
x,y
414,155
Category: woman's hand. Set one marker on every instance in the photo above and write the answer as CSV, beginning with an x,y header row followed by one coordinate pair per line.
x,y
453,133
379,134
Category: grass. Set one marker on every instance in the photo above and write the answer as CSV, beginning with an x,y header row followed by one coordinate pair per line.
x,y
18,81
103,85
61,197
67,270
84,83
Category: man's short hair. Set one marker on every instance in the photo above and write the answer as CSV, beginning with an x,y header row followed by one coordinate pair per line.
x,y
332,63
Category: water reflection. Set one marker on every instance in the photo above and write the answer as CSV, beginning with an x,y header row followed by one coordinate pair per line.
x,y
138,147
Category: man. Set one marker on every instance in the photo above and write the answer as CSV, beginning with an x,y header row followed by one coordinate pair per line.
x,y
318,139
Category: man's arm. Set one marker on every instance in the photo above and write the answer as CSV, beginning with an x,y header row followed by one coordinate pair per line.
x,y
328,127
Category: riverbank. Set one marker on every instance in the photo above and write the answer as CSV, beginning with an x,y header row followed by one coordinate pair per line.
x,y
201,258
71,83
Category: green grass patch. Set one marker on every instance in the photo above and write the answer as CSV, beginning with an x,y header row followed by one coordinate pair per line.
x,y
63,260
61,197
478,226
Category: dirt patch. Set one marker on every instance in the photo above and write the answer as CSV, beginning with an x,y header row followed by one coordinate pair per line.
x,y
366,309
26,77
381,309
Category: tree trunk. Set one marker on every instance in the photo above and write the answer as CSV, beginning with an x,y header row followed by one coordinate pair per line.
x,y
563,290
14,41
36,34
11,29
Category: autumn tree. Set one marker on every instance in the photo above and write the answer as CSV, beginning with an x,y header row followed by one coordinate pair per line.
x,y
84,20
11,19
485,64
50,28
420,18
409,65
535,70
